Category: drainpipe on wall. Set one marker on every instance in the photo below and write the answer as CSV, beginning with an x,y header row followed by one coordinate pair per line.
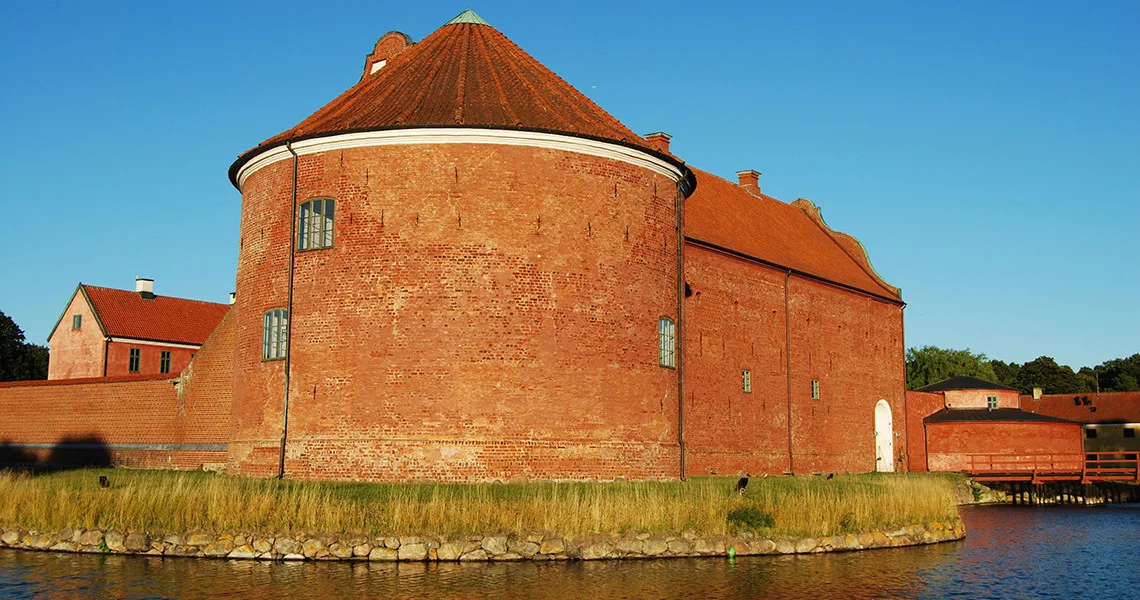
x,y
289,316
906,404
680,328
788,368
106,352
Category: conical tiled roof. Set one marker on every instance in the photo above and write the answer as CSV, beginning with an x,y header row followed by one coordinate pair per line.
x,y
465,74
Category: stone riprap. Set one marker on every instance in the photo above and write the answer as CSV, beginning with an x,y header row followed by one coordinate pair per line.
x,y
537,546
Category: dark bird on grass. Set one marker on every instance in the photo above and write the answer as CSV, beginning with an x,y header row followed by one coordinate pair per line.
x,y
104,482
830,475
743,483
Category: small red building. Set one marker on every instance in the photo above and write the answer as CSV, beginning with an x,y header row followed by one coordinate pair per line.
x,y
968,422
106,332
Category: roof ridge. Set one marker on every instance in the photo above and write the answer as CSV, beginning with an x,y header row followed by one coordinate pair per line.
x,y
102,287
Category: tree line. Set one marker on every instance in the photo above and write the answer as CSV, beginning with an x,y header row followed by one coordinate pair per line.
x,y
20,360
931,364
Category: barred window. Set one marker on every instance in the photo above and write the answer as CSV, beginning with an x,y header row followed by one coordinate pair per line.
x,y
135,359
815,389
315,230
666,343
274,334
746,384
164,362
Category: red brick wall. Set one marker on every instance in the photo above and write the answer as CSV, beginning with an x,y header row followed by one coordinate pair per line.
x,y
76,352
80,418
978,398
150,356
949,445
735,320
486,312
920,405
205,388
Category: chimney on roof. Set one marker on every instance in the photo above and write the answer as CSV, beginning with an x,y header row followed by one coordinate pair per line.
x,y
749,178
659,141
145,287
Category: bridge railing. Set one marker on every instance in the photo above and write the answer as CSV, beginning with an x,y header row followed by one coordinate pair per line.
x,y
1088,466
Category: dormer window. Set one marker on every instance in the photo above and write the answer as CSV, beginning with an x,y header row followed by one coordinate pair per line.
x,y
315,226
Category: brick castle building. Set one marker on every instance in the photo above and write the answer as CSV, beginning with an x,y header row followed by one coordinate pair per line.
x,y
462,268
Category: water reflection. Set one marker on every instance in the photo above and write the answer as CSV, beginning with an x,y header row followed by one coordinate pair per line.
x,y
1011,552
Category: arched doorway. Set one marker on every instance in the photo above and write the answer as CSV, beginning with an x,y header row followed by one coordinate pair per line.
x,y
884,438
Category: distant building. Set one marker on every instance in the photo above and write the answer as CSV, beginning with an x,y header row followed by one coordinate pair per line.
x,y
967,421
107,332
1111,419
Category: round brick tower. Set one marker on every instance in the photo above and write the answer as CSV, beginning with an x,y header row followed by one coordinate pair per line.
x,y
456,270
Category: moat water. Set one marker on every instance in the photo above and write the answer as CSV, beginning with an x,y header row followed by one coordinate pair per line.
x,y
1009,552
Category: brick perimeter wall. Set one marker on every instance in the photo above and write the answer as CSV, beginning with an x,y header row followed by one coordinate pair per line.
x,y
137,421
920,405
735,320
486,312
90,421
949,445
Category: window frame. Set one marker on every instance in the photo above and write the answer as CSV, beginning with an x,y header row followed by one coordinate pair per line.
x,y
76,322
746,381
134,360
815,392
164,360
991,402
666,343
274,334
325,234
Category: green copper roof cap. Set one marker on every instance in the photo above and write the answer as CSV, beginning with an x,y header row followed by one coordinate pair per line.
x,y
467,16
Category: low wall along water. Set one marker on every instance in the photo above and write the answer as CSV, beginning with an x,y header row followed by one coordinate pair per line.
x,y
537,546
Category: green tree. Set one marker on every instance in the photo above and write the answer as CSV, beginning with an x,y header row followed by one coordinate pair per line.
x,y
1045,373
931,364
19,360
1120,374
1006,373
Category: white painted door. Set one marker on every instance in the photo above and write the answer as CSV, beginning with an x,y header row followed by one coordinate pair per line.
x,y
884,438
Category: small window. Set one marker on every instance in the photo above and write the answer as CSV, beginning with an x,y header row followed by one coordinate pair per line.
x,y
315,230
746,383
274,334
991,402
1129,432
76,321
815,389
164,362
1090,433
666,343
135,359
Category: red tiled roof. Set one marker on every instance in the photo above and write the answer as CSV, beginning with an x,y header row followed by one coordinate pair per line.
x,y
1087,407
724,214
465,75
124,313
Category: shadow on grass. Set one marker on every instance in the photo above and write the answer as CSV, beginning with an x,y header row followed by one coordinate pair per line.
x,y
69,452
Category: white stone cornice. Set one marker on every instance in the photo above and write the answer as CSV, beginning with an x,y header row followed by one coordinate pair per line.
x,y
462,135
139,342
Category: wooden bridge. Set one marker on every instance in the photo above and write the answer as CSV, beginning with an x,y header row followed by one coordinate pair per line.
x,y
1088,467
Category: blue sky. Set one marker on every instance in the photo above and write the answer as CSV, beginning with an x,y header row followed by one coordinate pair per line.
x,y
985,153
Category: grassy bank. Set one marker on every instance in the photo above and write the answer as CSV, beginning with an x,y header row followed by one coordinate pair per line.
x,y
183,501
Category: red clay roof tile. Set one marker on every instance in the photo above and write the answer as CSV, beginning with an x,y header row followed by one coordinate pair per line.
x,y
466,75
126,314
723,214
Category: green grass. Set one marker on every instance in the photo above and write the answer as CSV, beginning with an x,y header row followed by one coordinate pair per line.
x,y
166,501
